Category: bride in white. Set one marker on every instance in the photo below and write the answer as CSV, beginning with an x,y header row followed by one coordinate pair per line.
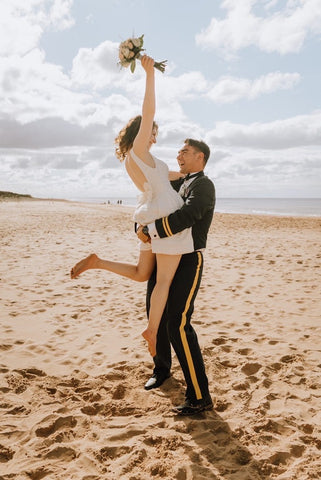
x,y
158,199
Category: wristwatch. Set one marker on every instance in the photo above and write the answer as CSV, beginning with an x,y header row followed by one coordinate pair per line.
x,y
145,230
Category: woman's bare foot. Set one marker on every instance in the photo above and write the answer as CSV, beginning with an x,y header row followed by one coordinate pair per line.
x,y
83,265
151,340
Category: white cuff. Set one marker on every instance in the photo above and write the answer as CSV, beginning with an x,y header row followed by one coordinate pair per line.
x,y
152,231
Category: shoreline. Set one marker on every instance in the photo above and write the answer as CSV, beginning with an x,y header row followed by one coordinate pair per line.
x,y
132,207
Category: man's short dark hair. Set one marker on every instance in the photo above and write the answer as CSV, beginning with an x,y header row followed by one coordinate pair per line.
x,y
200,146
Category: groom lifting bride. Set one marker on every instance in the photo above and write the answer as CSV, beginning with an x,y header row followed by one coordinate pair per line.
x,y
174,219
175,327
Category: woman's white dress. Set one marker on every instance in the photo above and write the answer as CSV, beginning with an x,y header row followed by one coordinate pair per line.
x,y
158,200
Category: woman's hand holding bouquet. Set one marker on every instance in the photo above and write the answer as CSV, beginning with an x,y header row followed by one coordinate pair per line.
x,y
130,51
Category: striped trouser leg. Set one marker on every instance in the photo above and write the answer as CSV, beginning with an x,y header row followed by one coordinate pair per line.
x,y
182,335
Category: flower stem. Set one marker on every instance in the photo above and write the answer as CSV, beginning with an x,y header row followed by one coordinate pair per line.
x,y
158,65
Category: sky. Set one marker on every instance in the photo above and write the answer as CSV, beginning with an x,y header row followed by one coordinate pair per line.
x,y
242,75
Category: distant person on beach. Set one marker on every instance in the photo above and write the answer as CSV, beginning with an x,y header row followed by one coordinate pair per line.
x,y
177,235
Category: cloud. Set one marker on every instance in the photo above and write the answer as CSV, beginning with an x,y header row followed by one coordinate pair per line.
x,y
231,89
174,133
186,86
64,172
263,173
60,14
97,67
57,124
32,88
41,106
283,31
23,23
301,130
53,132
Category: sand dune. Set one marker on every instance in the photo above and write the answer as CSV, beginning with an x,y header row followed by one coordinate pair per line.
x,y
73,362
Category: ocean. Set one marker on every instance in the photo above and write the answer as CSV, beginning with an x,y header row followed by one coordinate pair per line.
x,y
297,207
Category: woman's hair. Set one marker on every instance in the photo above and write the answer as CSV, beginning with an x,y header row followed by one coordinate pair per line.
x,y
127,135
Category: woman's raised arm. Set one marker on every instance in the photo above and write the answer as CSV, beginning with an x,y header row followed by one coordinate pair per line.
x,y
142,141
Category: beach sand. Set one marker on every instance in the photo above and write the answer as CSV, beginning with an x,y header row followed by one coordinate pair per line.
x,y
73,363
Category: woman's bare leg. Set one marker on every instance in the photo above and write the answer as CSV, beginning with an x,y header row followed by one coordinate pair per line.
x,y
166,268
140,272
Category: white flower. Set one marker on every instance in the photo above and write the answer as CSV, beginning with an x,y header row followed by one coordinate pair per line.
x,y
137,42
125,63
130,51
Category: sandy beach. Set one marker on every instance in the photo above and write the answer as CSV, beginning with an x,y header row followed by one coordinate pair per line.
x,y
73,363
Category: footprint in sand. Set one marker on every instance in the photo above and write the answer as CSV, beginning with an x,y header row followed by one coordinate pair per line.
x,y
289,358
18,410
62,453
17,384
219,341
244,351
6,454
273,427
93,409
119,392
38,473
41,310
91,396
61,331
221,405
307,428
251,368
240,386
4,369
57,424
31,372
106,454
35,349
7,329
279,458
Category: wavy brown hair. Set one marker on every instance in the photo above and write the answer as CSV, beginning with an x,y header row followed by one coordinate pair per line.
x,y
127,135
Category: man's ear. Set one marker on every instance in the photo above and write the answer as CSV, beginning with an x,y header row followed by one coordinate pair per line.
x,y
202,158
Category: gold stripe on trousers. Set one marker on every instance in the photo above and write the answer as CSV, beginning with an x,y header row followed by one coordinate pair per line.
x,y
183,333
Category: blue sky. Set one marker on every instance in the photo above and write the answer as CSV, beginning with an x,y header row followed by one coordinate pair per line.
x,y
243,75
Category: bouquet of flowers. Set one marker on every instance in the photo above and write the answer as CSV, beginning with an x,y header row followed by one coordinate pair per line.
x,y
129,52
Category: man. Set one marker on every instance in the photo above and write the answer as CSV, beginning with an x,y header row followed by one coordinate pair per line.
x,y
198,193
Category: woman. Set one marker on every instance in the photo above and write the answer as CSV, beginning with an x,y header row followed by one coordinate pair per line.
x,y
151,177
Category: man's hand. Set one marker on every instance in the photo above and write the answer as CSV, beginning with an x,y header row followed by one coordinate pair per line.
x,y
144,237
175,175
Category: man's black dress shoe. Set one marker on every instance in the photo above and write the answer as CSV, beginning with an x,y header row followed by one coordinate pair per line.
x,y
156,380
190,408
